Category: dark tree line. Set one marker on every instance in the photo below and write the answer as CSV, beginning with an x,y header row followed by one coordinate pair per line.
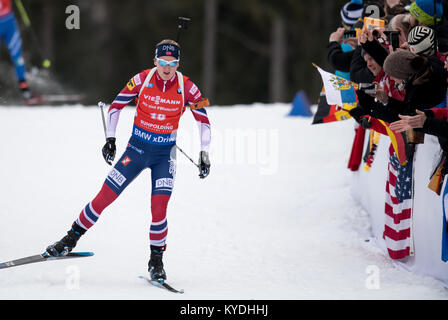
x,y
236,51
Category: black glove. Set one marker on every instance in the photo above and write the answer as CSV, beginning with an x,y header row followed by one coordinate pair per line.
x,y
357,113
204,164
365,123
109,150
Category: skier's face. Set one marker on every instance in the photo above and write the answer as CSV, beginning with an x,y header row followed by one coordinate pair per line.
x,y
166,66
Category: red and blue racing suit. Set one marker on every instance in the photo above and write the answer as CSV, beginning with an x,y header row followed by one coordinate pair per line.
x,y
160,104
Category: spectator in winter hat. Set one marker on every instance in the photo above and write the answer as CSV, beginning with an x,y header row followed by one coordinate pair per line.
x,y
424,79
340,51
401,65
424,82
350,13
430,121
421,41
339,54
423,12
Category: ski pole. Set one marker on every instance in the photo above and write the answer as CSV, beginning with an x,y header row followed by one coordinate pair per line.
x,y
46,63
101,104
188,157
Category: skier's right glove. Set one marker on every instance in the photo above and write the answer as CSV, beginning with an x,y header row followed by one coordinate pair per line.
x,y
109,150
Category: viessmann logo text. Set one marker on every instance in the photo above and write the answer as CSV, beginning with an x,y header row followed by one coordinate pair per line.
x,y
158,100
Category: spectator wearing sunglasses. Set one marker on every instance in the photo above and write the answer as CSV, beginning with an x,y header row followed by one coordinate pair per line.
x,y
162,95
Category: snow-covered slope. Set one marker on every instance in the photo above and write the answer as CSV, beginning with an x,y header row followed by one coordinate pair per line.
x,y
274,220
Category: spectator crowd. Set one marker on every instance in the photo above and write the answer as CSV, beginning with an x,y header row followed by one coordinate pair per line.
x,y
395,51
404,60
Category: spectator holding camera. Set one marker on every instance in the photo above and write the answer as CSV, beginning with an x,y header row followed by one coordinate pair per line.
x,y
423,78
385,86
400,23
341,43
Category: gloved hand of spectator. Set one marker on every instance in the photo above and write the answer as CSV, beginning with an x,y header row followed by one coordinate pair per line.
x,y
357,113
365,123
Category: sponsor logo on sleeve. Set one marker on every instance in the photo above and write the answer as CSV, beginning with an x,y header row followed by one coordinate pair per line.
x,y
131,85
137,80
126,161
193,89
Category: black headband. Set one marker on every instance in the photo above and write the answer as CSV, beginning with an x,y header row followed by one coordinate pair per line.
x,y
167,49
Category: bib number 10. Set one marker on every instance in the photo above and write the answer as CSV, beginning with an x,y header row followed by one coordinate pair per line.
x,y
158,116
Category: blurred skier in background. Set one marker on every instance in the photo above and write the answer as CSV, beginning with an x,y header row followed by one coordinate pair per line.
x,y
162,96
10,34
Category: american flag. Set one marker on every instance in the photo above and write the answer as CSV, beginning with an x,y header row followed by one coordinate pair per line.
x,y
398,207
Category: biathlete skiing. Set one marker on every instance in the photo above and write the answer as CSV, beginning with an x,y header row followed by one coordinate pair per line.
x,y
162,95
10,34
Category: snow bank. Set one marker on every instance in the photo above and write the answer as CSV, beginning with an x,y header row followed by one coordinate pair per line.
x,y
368,189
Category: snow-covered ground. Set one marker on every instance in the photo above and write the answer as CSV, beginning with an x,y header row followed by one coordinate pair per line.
x,y
274,220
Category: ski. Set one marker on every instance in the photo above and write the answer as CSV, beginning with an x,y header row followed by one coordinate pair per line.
x,y
162,284
42,257
53,99
63,98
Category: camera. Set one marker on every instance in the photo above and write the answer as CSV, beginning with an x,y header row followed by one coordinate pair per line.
x,y
393,38
368,88
351,33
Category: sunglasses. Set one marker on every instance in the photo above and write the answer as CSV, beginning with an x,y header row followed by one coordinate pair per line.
x,y
165,63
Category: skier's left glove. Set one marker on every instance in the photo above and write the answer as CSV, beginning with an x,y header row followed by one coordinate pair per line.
x,y
109,150
204,164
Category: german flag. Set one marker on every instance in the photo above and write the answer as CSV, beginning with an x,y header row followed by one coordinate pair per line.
x,y
398,142
329,113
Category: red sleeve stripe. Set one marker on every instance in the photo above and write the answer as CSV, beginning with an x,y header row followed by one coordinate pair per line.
x,y
201,116
124,98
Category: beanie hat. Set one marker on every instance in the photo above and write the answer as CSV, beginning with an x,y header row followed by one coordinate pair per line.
x,y
423,11
402,64
350,13
421,40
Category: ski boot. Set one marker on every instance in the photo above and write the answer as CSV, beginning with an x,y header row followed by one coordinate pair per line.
x,y
29,98
155,264
67,243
